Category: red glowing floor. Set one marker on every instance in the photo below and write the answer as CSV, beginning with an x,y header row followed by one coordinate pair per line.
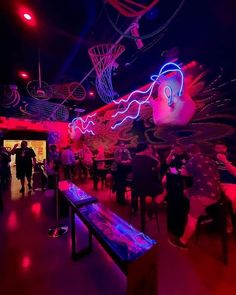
x,y
32,263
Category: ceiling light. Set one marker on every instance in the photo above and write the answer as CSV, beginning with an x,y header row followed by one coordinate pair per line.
x,y
23,75
27,16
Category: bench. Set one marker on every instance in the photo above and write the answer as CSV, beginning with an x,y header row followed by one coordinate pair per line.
x,y
74,195
134,252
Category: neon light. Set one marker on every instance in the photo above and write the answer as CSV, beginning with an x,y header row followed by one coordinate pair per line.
x,y
128,117
133,101
84,128
161,73
155,79
85,131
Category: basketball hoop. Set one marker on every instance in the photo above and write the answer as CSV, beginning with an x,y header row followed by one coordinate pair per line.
x,y
103,57
132,8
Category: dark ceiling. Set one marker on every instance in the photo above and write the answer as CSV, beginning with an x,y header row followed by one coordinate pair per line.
x,y
203,30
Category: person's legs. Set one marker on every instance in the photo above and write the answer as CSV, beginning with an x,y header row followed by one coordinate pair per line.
x,y
29,182
29,176
189,229
120,191
66,171
20,174
229,190
22,181
197,207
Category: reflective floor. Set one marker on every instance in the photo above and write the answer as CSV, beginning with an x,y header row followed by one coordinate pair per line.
x,y
32,263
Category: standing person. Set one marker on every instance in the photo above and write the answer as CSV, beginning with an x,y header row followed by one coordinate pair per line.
x,y
146,175
54,157
176,159
121,168
204,192
227,172
24,158
68,162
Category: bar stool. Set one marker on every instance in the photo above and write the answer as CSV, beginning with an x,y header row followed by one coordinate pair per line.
x,y
141,199
216,214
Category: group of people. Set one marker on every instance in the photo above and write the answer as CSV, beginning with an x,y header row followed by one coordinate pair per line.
x,y
71,162
211,175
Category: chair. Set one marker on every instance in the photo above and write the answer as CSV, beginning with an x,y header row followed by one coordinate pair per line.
x,y
101,173
216,214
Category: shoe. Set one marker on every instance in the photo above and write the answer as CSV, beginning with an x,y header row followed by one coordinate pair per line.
x,y
30,186
22,190
177,243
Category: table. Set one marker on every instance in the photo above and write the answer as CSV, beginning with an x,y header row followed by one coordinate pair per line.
x,y
96,171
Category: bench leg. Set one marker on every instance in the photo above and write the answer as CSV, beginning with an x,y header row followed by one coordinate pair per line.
x,y
223,232
79,254
143,213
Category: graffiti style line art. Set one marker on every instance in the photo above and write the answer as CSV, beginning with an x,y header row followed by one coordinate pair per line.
x,y
80,126
10,97
42,109
71,91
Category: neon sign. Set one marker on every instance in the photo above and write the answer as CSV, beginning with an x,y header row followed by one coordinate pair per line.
x,y
83,125
168,93
177,69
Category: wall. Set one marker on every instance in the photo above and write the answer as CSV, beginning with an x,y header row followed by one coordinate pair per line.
x,y
56,132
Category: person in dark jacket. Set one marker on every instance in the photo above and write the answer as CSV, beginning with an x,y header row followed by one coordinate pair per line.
x,y
25,159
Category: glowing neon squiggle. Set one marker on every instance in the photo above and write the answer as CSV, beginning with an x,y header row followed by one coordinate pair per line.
x,y
130,117
155,79
135,91
84,128
85,131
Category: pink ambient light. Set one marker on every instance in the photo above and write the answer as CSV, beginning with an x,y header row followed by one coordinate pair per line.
x,y
27,16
